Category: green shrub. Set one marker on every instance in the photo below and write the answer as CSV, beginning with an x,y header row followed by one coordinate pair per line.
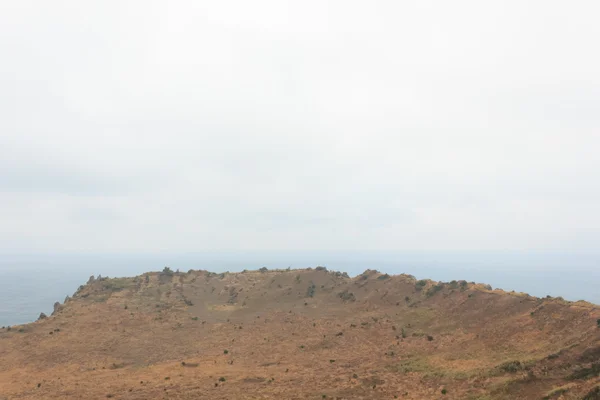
x,y
593,394
225,351
222,379
586,373
434,289
444,391
347,296
167,271
511,366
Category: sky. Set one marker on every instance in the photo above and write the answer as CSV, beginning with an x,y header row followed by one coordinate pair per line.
x,y
146,126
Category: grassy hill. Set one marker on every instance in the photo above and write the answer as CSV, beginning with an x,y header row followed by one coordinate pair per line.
x,y
302,334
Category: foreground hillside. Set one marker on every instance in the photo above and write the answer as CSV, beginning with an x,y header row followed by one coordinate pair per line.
x,y
302,334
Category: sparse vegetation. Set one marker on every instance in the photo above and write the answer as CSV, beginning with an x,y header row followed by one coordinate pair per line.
x,y
593,394
434,289
395,339
587,372
347,296
511,366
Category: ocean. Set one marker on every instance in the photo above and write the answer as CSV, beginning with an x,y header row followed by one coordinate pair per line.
x,y
31,284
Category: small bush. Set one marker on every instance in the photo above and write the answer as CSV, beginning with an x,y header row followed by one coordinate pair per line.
x,y
320,268
429,338
310,291
222,379
167,271
421,283
598,322
511,366
263,269
444,391
593,394
586,373
225,351
347,296
434,289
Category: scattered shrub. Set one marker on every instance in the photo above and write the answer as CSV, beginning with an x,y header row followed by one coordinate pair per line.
x,y
434,289
263,269
225,351
320,268
444,391
593,394
167,271
429,338
347,296
310,291
586,373
222,379
511,366
383,277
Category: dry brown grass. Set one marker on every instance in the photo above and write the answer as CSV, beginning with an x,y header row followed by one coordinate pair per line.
x,y
170,340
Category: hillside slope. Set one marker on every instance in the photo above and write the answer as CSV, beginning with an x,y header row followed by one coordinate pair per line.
x,y
302,334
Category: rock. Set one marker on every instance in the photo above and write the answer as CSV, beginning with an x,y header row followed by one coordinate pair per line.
x,y
57,307
42,316
67,299
91,280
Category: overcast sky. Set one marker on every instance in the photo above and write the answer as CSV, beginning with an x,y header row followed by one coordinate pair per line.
x,y
149,126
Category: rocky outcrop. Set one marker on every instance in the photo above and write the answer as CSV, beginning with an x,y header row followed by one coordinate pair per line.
x,y
57,307
91,280
42,316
